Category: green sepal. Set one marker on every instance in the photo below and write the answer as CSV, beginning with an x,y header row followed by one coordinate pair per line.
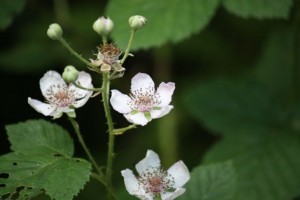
x,y
71,114
148,116
134,112
156,108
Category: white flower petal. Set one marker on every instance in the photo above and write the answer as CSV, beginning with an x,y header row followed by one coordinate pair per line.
x,y
84,79
44,108
131,183
137,118
142,82
172,195
165,92
120,102
180,173
161,112
50,78
150,162
81,101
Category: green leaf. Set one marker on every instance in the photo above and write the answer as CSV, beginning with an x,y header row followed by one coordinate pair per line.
x,y
39,135
42,163
37,172
259,8
212,182
8,10
167,21
277,66
230,107
268,165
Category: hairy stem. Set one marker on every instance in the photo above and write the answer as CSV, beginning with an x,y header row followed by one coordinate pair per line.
x,y
67,46
111,139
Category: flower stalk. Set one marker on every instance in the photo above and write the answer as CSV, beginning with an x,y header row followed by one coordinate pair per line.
x,y
128,46
88,89
73,52
87,151
120,131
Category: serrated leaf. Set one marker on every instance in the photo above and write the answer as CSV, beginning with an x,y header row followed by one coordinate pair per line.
x,y
26,176
42,163
212,182
230,107
8,10
268,165
167,21
39,135
259,8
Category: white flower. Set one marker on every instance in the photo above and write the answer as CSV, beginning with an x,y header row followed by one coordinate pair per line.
x,y
144,103
153,181
61,97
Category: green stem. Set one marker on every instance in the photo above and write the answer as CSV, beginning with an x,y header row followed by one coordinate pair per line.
x,y
89,89
120,131
67,46
104,39
111,139
128,47
81,140
98,178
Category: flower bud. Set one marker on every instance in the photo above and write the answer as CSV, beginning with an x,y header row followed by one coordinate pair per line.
x,y
103,25
54,31
70,74
137,21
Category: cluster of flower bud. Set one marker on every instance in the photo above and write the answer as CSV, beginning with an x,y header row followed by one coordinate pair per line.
x,y
108,54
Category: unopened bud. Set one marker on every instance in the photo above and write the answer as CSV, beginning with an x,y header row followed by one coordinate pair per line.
x,y
70,74
137,21
54,31
103,25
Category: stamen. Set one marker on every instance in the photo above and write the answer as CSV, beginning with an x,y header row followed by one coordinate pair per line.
x,y
144,100
60,95
156,180
110,53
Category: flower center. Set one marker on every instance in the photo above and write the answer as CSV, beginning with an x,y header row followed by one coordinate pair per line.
x,y
144,101
60,96
156,181
110,53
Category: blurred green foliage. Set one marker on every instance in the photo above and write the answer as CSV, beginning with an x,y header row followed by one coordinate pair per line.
x,y
237,72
